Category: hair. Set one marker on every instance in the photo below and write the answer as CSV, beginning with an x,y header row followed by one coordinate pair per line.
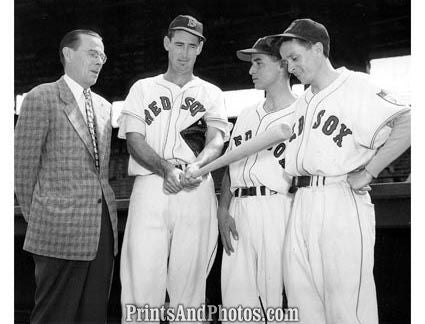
x,y
72,39
171,33
275,55
274,58
307,44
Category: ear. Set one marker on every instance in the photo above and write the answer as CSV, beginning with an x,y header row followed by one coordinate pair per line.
x,y
199,49
318,48
67,54
166,43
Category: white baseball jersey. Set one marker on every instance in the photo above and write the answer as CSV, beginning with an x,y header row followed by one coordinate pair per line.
x,y
329,247
170,240
265,168
339,129
252,276
161,110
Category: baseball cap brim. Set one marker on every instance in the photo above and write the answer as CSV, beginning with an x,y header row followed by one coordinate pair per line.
x,y
245,54
193,32
287,35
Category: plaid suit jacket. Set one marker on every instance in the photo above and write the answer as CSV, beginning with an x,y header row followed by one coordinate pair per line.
x,y
56,181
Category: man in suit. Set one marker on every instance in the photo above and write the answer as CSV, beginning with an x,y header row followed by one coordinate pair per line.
x,y
62,148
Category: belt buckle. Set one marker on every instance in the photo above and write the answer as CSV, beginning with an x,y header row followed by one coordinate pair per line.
x,y
299,182
272,192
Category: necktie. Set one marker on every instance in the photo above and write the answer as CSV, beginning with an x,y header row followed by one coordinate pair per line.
x,y
90,124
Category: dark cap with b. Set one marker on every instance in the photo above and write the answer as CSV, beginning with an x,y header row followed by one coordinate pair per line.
x,y
308,30
261,46
189,24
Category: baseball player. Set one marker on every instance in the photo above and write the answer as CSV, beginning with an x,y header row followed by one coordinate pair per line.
x,y
171,234
340,122
254,202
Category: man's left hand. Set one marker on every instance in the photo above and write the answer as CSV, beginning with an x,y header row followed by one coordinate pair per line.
x,y
360,180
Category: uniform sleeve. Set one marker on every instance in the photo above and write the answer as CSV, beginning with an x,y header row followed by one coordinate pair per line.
x,y
397,142
230,137
216,114
132,118
30,136
130,124
376,110
241,120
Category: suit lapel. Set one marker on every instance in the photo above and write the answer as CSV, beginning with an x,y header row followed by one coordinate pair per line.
x,y
74,115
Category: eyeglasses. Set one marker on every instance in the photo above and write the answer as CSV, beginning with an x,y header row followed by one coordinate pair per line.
x,y
95,55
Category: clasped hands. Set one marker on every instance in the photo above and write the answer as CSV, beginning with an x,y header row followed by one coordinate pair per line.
x,y
176,180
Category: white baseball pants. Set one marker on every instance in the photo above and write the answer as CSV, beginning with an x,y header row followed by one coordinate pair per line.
x,y
252,276
329,255
170,243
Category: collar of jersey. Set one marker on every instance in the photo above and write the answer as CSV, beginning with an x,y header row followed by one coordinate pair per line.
x,y
194,82
344,73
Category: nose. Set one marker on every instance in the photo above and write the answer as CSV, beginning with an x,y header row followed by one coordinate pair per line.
x,y
185,52
290,67
251,70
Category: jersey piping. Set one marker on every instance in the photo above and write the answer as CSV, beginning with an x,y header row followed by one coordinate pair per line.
x,y
247,159
372,142
176,133
312,116
272,121
170,115
361,255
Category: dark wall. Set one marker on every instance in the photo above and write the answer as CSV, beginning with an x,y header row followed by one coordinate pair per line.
x,y
133,32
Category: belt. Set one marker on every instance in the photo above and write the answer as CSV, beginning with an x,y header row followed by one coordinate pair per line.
x,y
254,191
313,181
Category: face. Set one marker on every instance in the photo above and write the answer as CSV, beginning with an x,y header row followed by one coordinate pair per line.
x,y
303,62
84,63
183,48
265,71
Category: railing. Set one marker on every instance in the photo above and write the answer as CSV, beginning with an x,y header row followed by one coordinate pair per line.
x,y
384,195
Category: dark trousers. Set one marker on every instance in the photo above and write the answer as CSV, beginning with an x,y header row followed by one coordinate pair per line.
x,y
70,291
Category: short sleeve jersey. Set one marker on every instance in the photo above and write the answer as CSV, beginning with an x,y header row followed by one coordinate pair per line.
x,y
160,110
339,129
266,168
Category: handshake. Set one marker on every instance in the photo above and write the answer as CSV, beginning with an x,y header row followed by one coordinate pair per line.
x,y
176,180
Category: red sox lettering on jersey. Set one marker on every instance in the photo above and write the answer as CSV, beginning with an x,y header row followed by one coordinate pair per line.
x,y
278,150
265,167
159,110
190,104
253,274
329,127
347,121
165,109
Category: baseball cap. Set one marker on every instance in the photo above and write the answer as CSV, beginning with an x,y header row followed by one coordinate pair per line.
x,y
261,46
308,30
189,24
